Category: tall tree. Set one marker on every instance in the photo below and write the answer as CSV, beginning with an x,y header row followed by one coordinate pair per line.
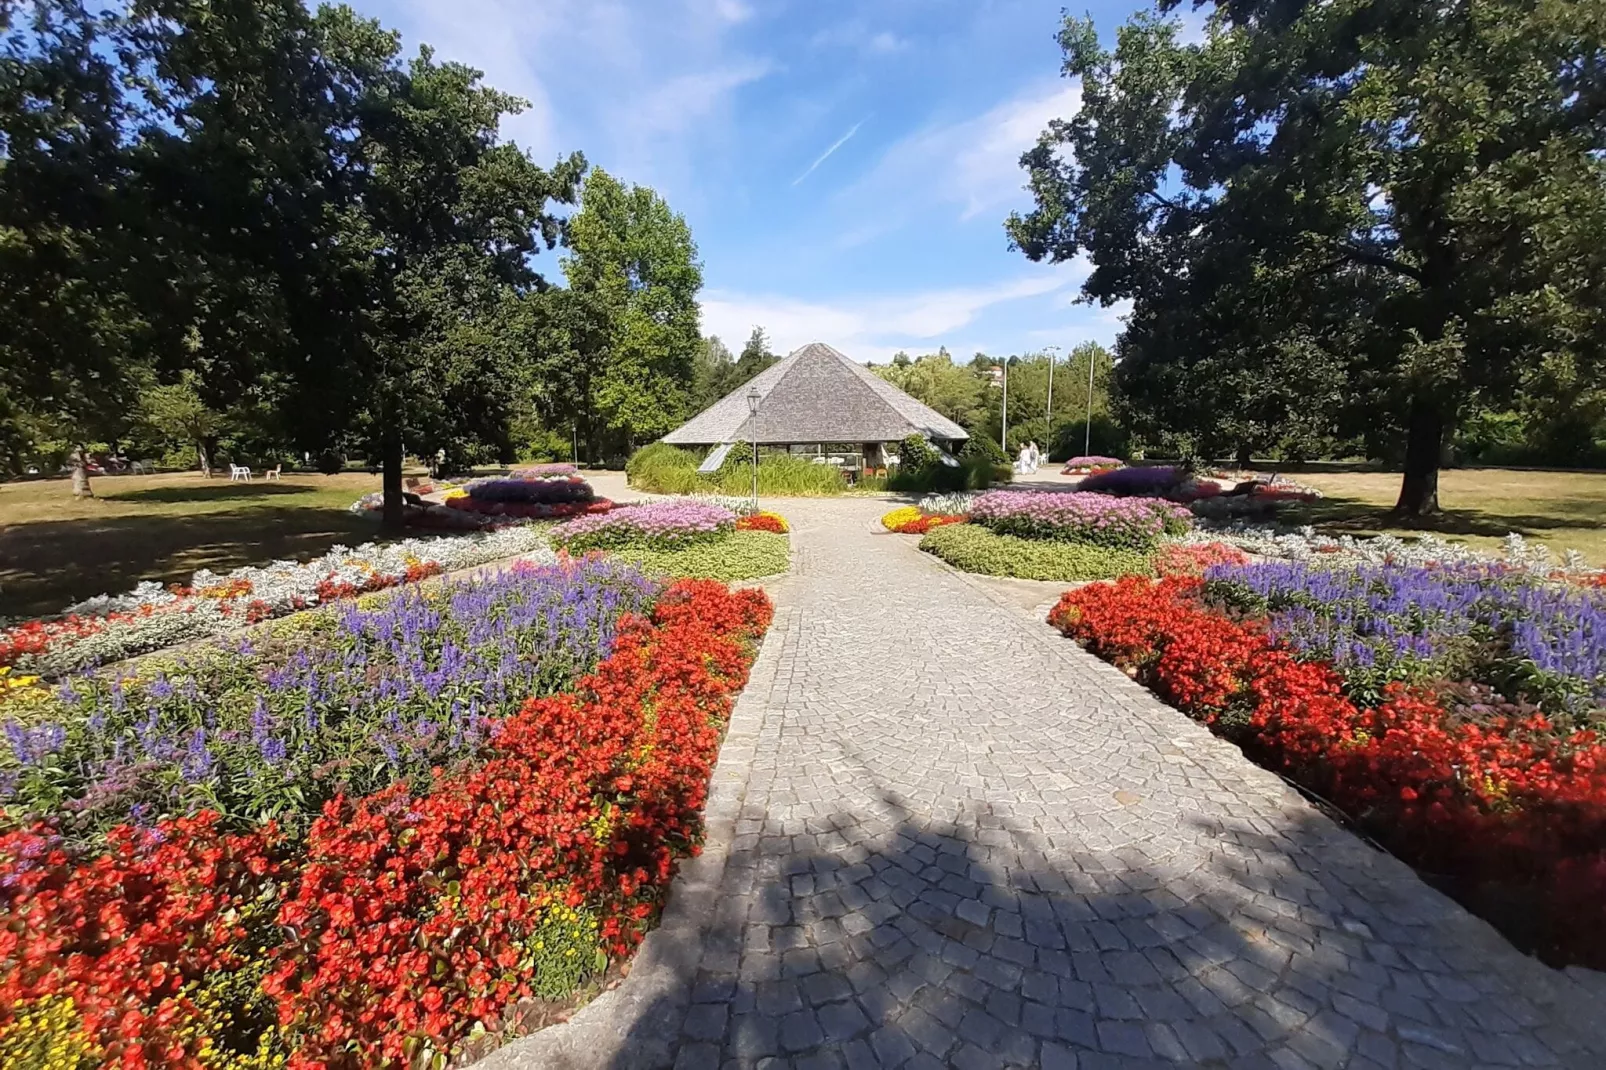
x,y
630,318
71,334
1409,196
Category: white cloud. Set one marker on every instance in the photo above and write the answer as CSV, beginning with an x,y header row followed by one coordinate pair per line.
x,y
972,164
644,89
837,144
857,35
873,328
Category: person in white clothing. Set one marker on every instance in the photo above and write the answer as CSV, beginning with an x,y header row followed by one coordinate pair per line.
x,y
1024,461
1033,457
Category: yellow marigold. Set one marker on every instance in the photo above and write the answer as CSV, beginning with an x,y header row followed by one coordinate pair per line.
x,y
899,517
46,1034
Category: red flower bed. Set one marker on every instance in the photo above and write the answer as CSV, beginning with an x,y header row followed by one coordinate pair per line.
x,y
770,522
1507,802
405,918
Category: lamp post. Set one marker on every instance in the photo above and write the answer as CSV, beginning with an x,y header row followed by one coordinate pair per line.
x,y
1051,350
753,398
1003,429
1087,440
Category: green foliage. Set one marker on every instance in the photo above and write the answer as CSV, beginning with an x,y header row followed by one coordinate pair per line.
x,y
1071,439
975,549
1337,220
985,448
933,379
664,469
563,951
618,349
177,412
920,469
743,555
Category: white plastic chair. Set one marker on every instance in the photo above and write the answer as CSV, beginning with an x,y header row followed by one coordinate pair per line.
x,y
239,471
274,473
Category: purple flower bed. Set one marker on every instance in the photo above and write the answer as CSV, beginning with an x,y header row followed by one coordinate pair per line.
x,y
666,525
545,489
1070,516
1093,462
1152,481
352,702
1529,639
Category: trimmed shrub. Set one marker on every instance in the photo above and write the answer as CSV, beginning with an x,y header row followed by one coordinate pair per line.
x,y
745,555
975,549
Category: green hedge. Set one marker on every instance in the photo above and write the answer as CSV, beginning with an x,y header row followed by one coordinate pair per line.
x,y
743,555
975,549
664,469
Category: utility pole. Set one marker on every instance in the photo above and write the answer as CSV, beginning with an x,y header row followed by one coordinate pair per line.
x,y
1003,430
1051,350
1087,442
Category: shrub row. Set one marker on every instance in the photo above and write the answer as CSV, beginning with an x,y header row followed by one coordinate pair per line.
x,y
976,549
664,469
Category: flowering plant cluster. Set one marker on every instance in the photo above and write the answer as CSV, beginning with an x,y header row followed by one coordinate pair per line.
x,y
1526,637
1452,775
350,700
1153,480
109,628
955,504
911,521
774,523
1091,463
404,918
1191,559
544,471
656,525
1099,519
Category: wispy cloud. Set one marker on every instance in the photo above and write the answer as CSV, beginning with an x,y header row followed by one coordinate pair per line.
x,y
837,144
875,327
972,163
857,35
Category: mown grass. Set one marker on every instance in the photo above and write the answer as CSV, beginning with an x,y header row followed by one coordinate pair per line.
x,y
1562,510
55,549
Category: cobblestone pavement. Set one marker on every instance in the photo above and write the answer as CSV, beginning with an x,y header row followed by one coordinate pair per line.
x,y
941,835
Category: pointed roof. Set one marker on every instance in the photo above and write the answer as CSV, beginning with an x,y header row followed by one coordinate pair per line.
x,y
816,394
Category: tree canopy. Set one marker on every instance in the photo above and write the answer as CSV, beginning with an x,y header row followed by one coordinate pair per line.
x,y
1358,218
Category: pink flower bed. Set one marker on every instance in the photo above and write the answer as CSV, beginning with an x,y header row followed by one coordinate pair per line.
x,y
1118,523
663,525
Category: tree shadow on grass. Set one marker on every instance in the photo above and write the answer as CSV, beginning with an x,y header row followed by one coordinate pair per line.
x,y
1341,515
45,566
232,490
882,938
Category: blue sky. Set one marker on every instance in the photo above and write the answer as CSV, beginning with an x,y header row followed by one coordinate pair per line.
x,y
845,167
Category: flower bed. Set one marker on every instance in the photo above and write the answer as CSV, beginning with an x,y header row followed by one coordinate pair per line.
x,y
1097,519
774,523
976,549
665,525
345,702
404,918
1092,463
109,628
1469,781
743,555
948,504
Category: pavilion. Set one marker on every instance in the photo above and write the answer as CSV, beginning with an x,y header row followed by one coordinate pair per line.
x,y
819,401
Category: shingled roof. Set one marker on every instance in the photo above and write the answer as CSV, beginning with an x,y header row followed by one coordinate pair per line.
x,y
816,394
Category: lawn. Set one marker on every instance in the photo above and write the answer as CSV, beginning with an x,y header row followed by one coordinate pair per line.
x,y
55,550
1563,510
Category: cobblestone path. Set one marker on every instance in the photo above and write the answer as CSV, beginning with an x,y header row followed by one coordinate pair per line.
x,y
943,836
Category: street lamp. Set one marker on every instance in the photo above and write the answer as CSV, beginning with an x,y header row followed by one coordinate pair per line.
x,y
1051,350
753,398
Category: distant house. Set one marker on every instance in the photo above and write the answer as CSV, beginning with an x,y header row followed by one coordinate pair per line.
x,y
820,402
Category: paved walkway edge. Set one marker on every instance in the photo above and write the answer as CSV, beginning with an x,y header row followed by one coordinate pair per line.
x,y
614,1028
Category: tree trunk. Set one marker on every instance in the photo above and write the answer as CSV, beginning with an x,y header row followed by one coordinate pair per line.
x,y
392,481
1244,459
1424,439
80,474
204,457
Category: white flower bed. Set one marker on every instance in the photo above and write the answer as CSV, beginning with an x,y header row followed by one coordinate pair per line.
x,y
277,588
1304,544
947,504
